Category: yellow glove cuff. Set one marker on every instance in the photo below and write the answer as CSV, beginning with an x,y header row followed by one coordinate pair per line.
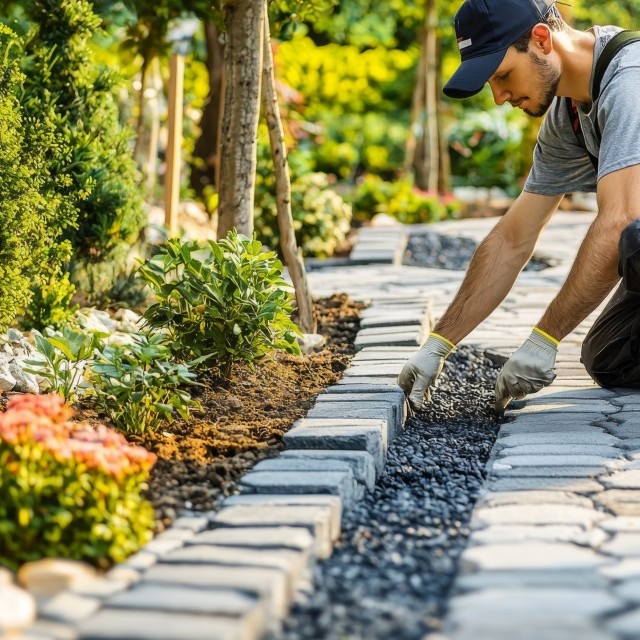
x,y
447,342
544,334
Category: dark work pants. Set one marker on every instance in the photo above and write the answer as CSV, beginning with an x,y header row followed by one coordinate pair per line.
x,y
611,349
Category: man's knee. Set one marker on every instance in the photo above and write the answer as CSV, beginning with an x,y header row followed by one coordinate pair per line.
x,y
629,256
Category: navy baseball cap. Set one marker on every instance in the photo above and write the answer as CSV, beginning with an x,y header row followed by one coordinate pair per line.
x,y
485,29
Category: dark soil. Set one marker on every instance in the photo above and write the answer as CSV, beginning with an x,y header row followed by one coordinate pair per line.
x,y
244,418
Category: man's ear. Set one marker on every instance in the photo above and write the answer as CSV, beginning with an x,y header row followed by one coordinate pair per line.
x,y
541,37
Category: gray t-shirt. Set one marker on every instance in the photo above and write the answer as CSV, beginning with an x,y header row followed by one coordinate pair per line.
x,y
560,164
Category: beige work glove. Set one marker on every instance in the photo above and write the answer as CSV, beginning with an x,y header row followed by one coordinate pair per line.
x,y
422,369
530,368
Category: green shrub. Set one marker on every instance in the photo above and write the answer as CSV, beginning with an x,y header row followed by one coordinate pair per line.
x,y
67,489
225,300
401,200
360,101
138,385
92,185
321,218
487,149
25,236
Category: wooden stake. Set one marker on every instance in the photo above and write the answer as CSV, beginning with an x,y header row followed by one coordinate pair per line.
x,y
174,144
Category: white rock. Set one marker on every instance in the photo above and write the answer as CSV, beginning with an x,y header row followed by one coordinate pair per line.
x,y
310,342
128,321
17,609
7,380
49,576
25,382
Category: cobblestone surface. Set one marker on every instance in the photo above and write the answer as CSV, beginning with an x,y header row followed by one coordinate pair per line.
x,y
554,546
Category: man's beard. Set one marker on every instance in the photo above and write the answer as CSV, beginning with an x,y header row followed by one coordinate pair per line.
x,y
549,78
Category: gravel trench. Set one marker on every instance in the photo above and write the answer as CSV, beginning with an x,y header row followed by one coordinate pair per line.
x,y
392,569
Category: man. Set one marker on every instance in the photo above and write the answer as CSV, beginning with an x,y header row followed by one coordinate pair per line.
x,y
533,60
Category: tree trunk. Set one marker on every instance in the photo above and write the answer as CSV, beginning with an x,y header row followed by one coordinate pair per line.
x,y
243,66
141,102
206,153
290,251
431,143
444,160
423,146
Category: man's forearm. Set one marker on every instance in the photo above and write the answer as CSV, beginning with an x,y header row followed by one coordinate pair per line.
x,y
489,278
592,276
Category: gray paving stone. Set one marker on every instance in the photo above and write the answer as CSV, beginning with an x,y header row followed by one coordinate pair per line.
x,y
546,471
172,598
380,368
48,630
391,412
500,498
510,483
601,451
620,524
555,629
532,424
69,607
333,503
295,538
99,587
626,624
316,519
549,407
623,479
530,555
631,444
361,462
388,317
534,514
296,565
546,460
592,436
629,590
360,385
623,545
517,579
624,430
192,523
337,483
115,624
390,381
625,569
268,583
543,533
531,603
371,438
400,337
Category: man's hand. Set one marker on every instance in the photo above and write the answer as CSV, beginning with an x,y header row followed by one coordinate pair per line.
x,y
423,368
530,368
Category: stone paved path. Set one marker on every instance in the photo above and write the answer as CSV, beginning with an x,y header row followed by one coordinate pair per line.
x,y
555,547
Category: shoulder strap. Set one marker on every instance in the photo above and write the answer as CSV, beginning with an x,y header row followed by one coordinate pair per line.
x,y
610,50
577,129
612,47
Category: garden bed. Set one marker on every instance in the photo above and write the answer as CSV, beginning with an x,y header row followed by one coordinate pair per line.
x,y
243,419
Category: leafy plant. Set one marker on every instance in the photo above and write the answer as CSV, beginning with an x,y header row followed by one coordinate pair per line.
x,y
65,356
139,385
401,200
225,300
68,489
321,218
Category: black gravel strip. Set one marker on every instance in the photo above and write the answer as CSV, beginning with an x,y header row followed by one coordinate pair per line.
x,y
443,252
392,569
